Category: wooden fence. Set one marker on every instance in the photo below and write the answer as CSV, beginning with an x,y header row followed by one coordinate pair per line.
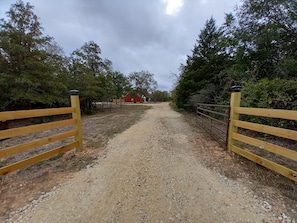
x,y
8,133
235,137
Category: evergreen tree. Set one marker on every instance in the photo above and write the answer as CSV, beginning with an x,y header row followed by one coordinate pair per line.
x,y
26,77
86,72
204,67
258,44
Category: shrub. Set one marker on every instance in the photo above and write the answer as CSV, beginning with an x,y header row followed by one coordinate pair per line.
x,y
273,94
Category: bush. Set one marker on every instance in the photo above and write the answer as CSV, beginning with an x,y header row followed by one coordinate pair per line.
x,y
276,93
273,94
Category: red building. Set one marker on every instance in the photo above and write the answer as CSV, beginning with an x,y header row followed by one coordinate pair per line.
x,y
135,98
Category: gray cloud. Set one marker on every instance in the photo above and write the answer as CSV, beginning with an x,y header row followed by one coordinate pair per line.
x,y
134,34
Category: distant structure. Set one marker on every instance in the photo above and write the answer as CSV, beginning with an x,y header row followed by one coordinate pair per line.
x,y
135,98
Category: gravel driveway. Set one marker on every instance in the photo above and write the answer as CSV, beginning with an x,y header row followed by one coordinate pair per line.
x,y
149,174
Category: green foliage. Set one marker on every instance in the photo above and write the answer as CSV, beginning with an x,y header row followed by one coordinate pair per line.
x,y
26,77
277,94
206,67
122,84
94,77
35,73
160,96
143,82
85,64
268,30
256,47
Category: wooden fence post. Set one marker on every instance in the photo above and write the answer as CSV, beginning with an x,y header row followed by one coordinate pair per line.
x,y
77,115
234,102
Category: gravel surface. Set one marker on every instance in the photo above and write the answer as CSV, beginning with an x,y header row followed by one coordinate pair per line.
x,y
149,174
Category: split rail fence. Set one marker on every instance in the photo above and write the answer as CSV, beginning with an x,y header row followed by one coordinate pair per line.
x,y
231,133
75,121
235,137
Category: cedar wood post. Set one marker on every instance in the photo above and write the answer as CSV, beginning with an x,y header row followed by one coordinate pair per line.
x,y
77,115
234,102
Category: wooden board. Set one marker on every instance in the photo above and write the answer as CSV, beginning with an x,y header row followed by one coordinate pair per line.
x,y
34,128
35,159
272,113
291,174
267,146
27,146
11,115
285,133
234,102
77,116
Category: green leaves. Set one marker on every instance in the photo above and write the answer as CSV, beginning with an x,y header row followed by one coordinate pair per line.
x,y
269,34
143,82
257,46
94,77
276,93
122,84
160,96
204,67
25,74
34,72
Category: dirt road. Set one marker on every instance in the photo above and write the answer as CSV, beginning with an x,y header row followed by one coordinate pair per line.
x,y
148,174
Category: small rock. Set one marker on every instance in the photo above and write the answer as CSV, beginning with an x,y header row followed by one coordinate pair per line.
x,y
266,206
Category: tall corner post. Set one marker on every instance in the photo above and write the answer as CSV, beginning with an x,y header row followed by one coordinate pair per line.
x,y
234,102
77,116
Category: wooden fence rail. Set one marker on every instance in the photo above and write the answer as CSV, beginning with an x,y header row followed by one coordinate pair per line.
x,y
13,150
234,136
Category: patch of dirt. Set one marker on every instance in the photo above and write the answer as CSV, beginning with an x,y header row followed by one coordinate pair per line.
x,y
19,188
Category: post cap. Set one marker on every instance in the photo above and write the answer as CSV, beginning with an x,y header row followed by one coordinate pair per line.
x,y
74,92
236,88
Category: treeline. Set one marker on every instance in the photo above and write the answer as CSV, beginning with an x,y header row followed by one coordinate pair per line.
x,y
36,73
255,47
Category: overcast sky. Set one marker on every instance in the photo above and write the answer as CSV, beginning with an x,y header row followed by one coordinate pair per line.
x,y
151,35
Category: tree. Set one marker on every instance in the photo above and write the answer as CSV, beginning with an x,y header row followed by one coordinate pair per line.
x,y
268,29
143,82
160,96
59,63
258,42
121,82
86,72
205,66
26,77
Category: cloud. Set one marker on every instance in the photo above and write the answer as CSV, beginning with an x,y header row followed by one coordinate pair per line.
x,y
135,35
173,6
